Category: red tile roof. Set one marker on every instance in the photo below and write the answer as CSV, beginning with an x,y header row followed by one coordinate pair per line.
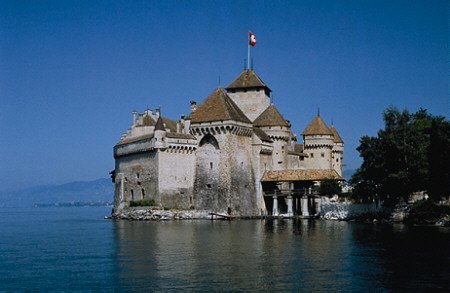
x,y
270,117
337,137
218,107
300,175
317,127
247,79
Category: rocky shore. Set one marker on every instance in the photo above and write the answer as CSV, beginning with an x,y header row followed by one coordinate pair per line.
x,y
341,211
152,214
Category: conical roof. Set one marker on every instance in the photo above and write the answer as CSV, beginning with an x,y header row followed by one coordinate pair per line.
x,y
317,127
270,117
247,79
218,107
337,137
159,124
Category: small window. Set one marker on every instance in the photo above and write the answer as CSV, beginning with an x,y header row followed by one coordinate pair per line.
x,y
208,185
302,158
132,194
137,175
337,160
282,147
210,165
143,193
311,155
322,155
280,162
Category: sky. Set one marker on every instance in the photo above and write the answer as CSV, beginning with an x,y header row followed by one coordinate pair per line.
x,y
71,72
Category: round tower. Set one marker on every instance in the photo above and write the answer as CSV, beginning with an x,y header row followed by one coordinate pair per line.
x,y
337,155
279,130
318,145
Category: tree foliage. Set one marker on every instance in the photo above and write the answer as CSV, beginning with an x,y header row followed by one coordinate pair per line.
x,y
329,187
410,154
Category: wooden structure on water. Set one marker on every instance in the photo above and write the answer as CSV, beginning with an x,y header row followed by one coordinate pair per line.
x,y
294,192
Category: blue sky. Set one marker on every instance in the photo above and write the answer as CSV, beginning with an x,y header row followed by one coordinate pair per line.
x,y
71,72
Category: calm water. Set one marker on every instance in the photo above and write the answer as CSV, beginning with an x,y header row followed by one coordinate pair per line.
x,y
75,249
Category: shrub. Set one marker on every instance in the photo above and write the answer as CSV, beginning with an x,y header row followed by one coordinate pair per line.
x,y
142,203
426,211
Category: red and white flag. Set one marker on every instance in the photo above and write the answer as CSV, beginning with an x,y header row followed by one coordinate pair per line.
x,y
251,39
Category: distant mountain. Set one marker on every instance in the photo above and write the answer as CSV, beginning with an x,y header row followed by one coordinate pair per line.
x,y
100,190
347,174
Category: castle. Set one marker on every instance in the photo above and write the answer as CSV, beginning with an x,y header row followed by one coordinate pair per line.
x,y
235,153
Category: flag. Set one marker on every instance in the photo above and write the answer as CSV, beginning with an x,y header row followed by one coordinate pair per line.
x,y
251,39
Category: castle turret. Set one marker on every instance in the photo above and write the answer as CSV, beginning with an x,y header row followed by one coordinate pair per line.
x,y
160,133
279,131
250,94
318,144
337,154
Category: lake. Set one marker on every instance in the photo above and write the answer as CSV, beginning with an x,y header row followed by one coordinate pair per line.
x,y
74,248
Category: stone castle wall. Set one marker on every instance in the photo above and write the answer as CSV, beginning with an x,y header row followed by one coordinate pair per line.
x,y
318,148
224,176
138,173
251,102
176,178
338,157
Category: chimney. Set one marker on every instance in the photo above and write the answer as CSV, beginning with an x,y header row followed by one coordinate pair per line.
x,y
134,116
193,106
180,124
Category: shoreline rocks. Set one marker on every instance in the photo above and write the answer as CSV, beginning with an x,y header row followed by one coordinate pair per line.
x,y
333,211
153,214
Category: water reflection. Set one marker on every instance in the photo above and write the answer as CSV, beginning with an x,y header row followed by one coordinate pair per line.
x,y
407,257
276,255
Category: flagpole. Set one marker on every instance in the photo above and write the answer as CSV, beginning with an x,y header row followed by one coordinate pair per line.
x,y
248,51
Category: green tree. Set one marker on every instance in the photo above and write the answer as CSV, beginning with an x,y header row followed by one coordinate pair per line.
x,y
439,159
406,156
329,187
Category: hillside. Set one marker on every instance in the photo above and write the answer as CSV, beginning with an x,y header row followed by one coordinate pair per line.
x,y
97,191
